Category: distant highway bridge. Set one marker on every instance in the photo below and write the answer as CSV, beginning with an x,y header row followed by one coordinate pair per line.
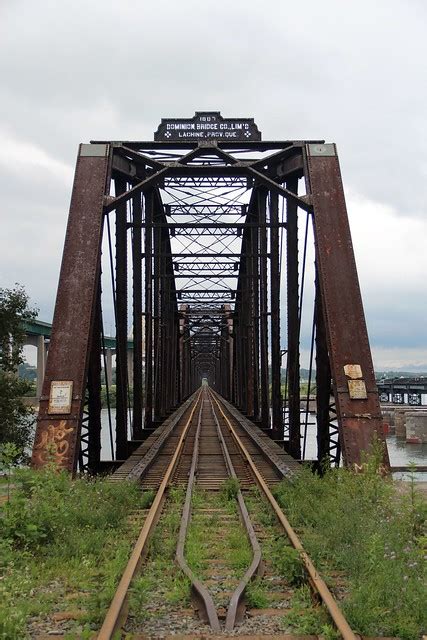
x,y
37,334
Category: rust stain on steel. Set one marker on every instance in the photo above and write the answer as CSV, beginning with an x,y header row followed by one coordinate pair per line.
x,y
59,437
319,585
347,335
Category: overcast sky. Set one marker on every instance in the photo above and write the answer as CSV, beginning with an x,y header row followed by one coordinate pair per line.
x,y
350,72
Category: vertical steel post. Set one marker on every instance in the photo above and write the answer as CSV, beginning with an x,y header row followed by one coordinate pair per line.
x,y
293,361
94,389
276,356
158,293
323,380
230,352
121,324
167,337
137,316
263,248
253,285
148,254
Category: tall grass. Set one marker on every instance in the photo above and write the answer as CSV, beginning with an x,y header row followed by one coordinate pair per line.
x,y
362,526
58,537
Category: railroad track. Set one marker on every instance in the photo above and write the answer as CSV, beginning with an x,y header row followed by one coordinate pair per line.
x,y
208,452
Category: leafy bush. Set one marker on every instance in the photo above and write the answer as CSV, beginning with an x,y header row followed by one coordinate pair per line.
x,y
288,562
50,508
59,535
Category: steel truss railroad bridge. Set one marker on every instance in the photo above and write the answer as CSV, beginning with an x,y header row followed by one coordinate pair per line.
x,y
192,238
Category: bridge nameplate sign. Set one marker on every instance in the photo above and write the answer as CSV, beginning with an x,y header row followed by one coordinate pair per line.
x,y
357,390
207,125
61,393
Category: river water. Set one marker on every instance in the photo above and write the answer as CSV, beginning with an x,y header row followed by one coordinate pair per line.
x,y
401,453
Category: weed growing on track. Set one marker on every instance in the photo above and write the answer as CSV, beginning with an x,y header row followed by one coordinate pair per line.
x,y
230,488
307,618
210,536
360,526
161,583
255,594
63,545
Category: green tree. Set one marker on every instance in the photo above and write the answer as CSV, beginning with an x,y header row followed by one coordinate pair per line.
x,y
9,456
16,419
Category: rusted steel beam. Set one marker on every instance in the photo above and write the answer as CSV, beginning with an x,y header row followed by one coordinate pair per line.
x,y
355,389
292,167
158,262
264,180
145,185
165,317
121,324
276,355
94,391
148,245
229,348
253,320
58,434
275,159
293,359
264,145
323,385
137,319
263,313
139,158
182,341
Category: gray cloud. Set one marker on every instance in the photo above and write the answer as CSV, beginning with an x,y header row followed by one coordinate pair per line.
x,y
353,73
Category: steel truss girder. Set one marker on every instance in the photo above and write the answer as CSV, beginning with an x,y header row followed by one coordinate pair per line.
x,y
58,435
205,209
231,343
359,418
206,266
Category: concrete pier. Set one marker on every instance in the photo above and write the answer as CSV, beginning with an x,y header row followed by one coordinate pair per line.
x,y
400,422
40,342
416,427
109,366
409,423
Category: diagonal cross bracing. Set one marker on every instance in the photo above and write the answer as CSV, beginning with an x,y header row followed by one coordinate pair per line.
x,y
222,284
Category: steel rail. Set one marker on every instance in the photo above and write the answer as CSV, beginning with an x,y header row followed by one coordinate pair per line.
x,y
203,596
200,592
117,611
317,582
235,607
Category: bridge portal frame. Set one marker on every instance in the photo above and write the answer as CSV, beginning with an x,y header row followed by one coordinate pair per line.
x,y
246,345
